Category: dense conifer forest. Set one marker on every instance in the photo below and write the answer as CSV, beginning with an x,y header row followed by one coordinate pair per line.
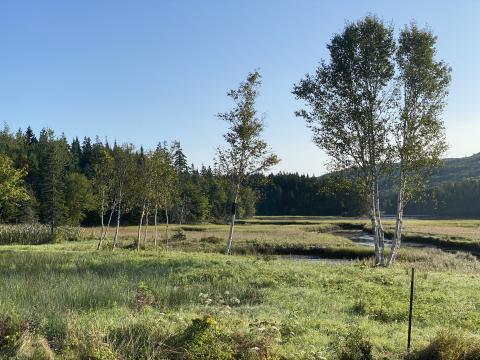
x,y
64,184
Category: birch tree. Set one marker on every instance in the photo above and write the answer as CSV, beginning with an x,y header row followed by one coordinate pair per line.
x,y
122,181
419,132
142,192
246,152
169,191
102,186
349,107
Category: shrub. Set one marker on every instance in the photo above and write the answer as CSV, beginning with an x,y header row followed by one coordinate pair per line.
x,y
449,345
179,235
354,346
33,347
10,332
69,233
144,295
91,347
194,228
202,339
211,239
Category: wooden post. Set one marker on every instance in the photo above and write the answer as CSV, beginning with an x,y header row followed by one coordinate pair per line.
x,y
409,341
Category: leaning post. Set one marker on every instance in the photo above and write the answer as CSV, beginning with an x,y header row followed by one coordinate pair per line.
x,y
409,340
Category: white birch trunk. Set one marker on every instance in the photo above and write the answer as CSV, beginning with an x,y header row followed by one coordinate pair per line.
x,y
112,210
145,232
232,221
140,226
373,219
166,228
118,225
397,238
381,232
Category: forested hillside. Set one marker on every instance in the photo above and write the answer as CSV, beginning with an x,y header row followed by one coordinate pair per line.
x,y
62,180
453,190
75,182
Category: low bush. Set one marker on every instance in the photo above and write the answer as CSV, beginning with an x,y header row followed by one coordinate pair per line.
x,y
212,239
449,345
355,345
194,228
69,233
179,235
10,332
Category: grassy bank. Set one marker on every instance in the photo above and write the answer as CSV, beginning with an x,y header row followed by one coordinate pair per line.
x,y
187,301
119,304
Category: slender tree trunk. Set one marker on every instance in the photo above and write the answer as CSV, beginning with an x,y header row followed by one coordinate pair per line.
x,y
104,230
166,228
118,225
373,219
105,233
397,238
182,210
381,232
155,238
102,213
140,226
145,232
232,221
112,210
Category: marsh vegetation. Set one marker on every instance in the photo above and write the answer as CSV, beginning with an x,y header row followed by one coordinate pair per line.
x,y
189,301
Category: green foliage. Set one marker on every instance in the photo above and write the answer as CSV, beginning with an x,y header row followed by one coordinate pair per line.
x,y
203,340
179,235
129,305
35,234
78,198
353,346
350,120
293,194
246,152
420,132
10,331
212,239
449,345
12,190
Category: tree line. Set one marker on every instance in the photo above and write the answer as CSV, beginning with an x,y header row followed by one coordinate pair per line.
x,y
57,182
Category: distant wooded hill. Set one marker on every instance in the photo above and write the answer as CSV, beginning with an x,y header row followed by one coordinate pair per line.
x,y
457,169
453,191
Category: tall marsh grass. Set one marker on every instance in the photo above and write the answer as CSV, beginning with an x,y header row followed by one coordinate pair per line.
x,y
34,234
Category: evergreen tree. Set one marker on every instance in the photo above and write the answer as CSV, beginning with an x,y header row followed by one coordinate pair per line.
x,y
53,185
30,137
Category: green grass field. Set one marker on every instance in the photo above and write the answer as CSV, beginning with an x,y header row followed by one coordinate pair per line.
x,y
68,301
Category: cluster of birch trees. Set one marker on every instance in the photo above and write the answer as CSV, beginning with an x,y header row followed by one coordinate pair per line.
x,y
123,181
375,107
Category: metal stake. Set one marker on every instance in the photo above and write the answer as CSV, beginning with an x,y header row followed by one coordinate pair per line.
x,y
409,344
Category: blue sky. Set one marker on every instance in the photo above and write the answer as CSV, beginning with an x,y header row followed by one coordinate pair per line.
x,y
146,71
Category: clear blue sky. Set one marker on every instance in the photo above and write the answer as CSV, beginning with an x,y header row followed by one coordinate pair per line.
x,y
144,71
